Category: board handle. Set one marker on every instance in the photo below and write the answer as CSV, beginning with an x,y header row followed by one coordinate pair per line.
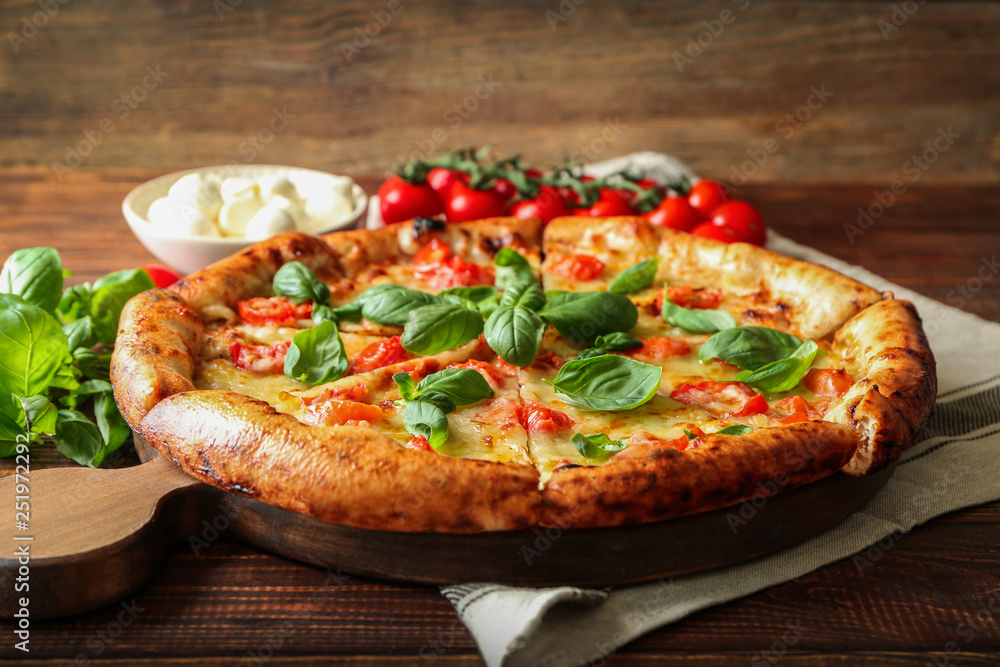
x,y
77,539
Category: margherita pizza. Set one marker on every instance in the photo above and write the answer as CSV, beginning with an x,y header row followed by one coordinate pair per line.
x,y
496,375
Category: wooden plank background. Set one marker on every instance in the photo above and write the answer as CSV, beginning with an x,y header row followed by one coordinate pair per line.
x,y
551,77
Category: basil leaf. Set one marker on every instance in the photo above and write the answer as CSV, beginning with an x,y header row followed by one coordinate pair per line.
x,y
439,327
442,401
618,342
426,418
78,438
696,320
392,306
80,333
460,301
749,347
583,316
35,275
475,294
636,277
735,429
462,385
316,355
515,332
112,426
321,313
405,384
34,347
528,295
488,306
784,374
596,445
511,268
75,303
39,413
299,284
607,382
10,429
91,364
109,295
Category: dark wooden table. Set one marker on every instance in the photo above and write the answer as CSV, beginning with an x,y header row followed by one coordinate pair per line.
x,y
233,604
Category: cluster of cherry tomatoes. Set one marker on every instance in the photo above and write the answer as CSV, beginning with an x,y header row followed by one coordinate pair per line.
x,y
465,185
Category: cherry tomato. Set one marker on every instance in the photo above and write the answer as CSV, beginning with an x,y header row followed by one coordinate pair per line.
x,y
729,398
798,408
504,188
706,195
536,418
431,254
547,206
662,347
464,203
705,298
163,276
828,382
274,311
378,355
610,203
441,179
709,231
338,412
435,265
570,196
400,201
743,219
675,213
419,443
259,358
578,267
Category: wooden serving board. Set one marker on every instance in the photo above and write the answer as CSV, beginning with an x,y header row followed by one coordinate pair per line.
x,y
97,536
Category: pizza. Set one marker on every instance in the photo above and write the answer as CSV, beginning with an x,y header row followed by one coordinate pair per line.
x,y
501,374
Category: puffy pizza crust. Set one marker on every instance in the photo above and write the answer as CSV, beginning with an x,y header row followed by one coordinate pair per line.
x,y
358,477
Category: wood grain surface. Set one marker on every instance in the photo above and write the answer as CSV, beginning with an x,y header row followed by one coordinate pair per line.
x,y
72,82
234,603
447,73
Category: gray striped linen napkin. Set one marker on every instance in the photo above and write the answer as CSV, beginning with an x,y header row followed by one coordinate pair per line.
x,y
955,465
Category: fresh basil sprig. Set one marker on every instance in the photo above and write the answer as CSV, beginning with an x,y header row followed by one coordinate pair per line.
x,y
635,278
429,402
316,355
783,374
583,316
35,275
749,347
296,281
512,268
439,327
391,304
615,342
596,445
696,320
515,333
607,382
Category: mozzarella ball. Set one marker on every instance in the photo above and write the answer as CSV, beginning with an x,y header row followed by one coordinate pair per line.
x,y
267,222
236,214
278,186
164,213
292,208
327,206
193,223
198,192
232,188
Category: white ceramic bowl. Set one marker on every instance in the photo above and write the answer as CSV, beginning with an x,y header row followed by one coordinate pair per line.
x,y
190,253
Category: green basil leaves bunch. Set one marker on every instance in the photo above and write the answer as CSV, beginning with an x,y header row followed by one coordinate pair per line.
x,y
428,403
317,354
58,350
771,360
606,382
